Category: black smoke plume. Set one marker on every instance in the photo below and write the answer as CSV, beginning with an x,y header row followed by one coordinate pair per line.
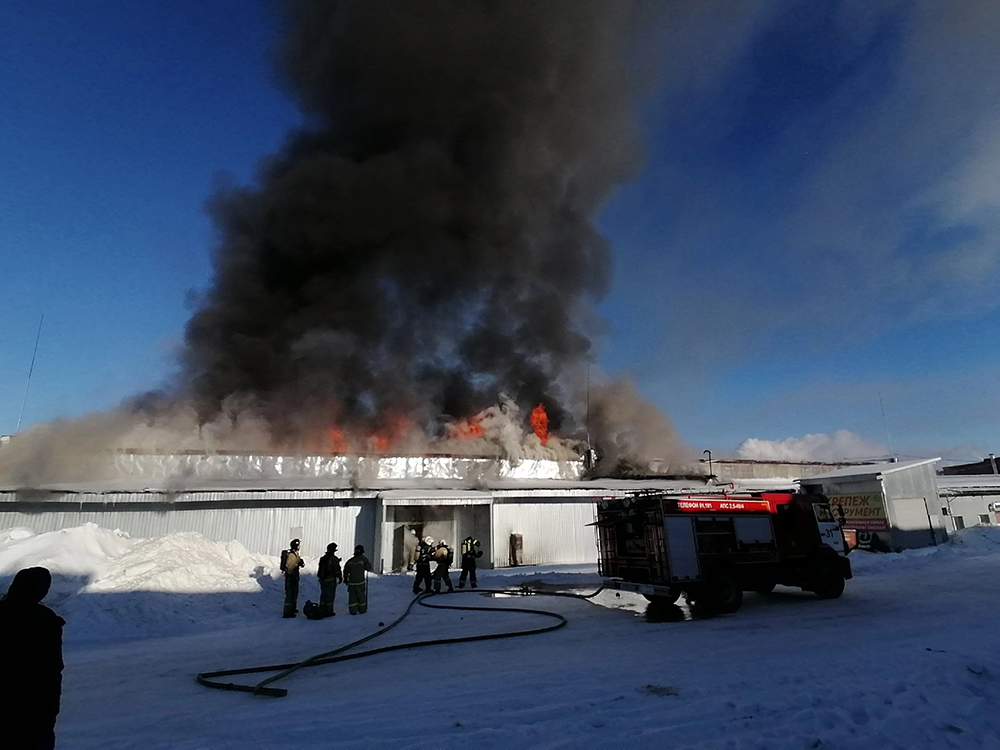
x,y
426,241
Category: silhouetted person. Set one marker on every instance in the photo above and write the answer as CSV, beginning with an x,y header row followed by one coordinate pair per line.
x,y
425,553
444,557
31,639
356,578
329,574
472,550
411,548
291,561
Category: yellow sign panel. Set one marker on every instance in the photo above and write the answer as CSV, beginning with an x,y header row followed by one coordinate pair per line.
x,y
862,512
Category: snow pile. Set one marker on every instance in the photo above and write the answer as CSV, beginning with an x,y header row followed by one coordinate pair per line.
x,y
110,587
979,540
968,544
184,563
73,556
89,559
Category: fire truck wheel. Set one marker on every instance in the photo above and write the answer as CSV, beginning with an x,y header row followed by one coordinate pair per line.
x,y
829,582
670,598
721,595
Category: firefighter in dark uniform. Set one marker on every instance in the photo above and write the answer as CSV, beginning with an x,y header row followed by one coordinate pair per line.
x,y
425,553
329,575
444,557
291,561
355,576
472,550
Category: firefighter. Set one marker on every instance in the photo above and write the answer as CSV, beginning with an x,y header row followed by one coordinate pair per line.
x,y
472,550
329,575
291,561
355,576
444,557
425,553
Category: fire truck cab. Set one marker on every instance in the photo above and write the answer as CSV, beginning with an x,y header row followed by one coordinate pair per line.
x,y
712,548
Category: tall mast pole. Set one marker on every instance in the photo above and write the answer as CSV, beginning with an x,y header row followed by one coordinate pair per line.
x,y
31,369
885,424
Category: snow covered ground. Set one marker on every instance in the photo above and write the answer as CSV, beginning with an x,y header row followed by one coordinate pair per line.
x,y
906,659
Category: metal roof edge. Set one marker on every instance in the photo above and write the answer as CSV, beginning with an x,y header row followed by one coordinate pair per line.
x,y
911,465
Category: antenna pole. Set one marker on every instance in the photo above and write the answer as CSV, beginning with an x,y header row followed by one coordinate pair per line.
x,y
31,369
588,406
885,424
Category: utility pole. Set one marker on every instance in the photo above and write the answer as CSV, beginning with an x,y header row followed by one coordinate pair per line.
x,y
885,424
31,369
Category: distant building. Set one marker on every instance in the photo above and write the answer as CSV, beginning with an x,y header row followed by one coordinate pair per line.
x,y
986,466
893,506
970,500
728,469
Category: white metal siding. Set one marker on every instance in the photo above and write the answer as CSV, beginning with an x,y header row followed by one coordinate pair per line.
x,y
263,530
901,488
552,532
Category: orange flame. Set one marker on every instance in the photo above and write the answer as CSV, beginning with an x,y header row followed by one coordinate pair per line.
x,y
392,433
540,423
337,440
468,429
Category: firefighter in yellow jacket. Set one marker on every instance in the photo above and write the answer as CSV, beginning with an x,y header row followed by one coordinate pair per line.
x,y
291,561
356,577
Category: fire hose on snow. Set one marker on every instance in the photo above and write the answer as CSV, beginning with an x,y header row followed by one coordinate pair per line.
x,y
212,679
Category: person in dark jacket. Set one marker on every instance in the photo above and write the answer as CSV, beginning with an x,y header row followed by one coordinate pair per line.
x,y
425,553
472,550
291,561
330,576
356,578
31,638
444,557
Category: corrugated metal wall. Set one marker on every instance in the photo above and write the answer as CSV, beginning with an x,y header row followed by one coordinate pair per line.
x,y
552,532
914,483
265,530
918,481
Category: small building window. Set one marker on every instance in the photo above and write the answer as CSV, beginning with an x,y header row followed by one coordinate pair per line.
x,y
944,511
984,519
959,523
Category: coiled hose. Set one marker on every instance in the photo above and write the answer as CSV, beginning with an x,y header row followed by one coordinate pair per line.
x,y
211,679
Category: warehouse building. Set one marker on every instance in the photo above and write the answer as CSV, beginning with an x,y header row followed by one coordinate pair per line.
x,y
525,513
893,506
970,500
987,466
737,469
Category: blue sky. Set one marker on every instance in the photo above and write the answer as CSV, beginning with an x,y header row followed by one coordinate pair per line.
x,y
816,223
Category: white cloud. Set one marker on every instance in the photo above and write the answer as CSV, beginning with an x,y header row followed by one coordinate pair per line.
x,y
842,444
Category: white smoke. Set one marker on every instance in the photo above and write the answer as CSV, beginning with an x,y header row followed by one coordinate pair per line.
x,y
842,444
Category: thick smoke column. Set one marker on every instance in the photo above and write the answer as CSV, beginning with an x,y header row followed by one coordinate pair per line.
x,y
427,241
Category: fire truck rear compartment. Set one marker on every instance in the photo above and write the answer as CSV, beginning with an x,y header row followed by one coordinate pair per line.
x,y
649,546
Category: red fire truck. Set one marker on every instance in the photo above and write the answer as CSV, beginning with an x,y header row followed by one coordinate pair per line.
x,y
712,548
